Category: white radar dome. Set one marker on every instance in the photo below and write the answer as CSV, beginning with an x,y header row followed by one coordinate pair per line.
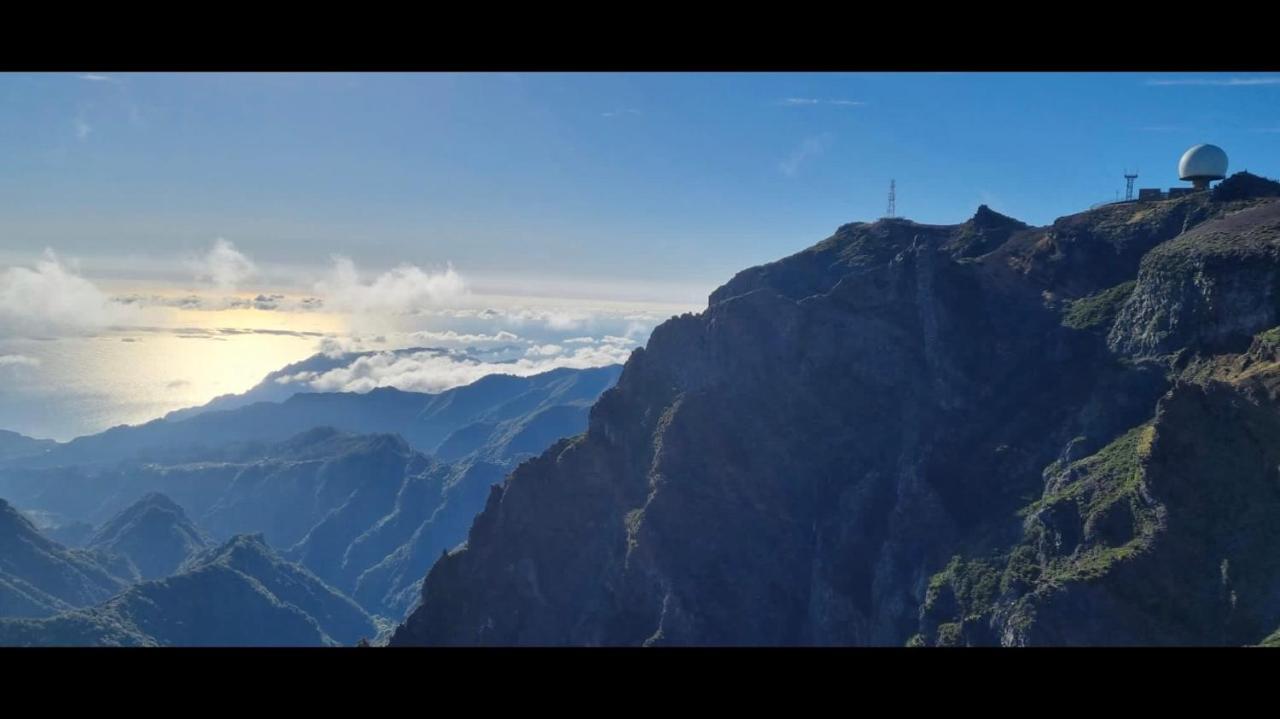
x,y
1203,162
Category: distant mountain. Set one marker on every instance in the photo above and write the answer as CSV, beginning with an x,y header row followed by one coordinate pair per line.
x,y
153,533
39,577
424,420
367,513
17,446
272,389
239,594
337,615
343,505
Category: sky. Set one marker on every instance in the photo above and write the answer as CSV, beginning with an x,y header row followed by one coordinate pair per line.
x,y
345,208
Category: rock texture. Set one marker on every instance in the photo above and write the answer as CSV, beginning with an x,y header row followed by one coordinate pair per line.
x,y
853,445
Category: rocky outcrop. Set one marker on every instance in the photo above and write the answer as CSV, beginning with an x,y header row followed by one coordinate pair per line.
x,y
1209,290
1165,537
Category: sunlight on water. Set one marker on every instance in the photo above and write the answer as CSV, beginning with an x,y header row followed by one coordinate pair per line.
x,y
85,384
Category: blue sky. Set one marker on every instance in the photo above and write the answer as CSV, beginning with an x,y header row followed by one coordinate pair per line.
x,y
668,179
168,238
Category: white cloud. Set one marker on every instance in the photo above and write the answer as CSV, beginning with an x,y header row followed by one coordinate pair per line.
x,y
809,101
82,128
90,77
434,371
18,361
406,289
1219,82
617,113
51,299
810,148
223,265
462,340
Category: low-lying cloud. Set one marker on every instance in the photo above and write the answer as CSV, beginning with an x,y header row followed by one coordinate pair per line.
x,y
436,371
18,361
52,299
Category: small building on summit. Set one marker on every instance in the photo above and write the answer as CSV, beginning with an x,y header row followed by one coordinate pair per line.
x,y
1199,165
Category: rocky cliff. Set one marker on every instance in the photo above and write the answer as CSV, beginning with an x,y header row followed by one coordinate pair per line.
x,y
973,433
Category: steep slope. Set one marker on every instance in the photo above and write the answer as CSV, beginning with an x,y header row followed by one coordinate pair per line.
x,y
39,577
154,533
432,514
797,463
239,594
1168,534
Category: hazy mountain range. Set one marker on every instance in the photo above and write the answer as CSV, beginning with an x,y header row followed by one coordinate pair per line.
x,y
332,493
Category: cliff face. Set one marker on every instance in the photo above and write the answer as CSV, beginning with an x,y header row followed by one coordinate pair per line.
x,y
825,453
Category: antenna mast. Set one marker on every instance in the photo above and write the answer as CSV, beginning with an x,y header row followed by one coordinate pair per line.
x,y
1128,184
892,200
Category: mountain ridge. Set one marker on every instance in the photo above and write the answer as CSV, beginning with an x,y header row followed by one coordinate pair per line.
x,y
917,380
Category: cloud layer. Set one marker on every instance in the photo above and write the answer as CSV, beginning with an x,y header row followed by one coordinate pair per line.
x,y
430,370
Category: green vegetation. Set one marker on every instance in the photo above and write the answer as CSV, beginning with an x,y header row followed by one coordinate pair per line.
x,y
949,635
1268,341
1104,489
1105,476
1098,309
970,588
973,584
1022,571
